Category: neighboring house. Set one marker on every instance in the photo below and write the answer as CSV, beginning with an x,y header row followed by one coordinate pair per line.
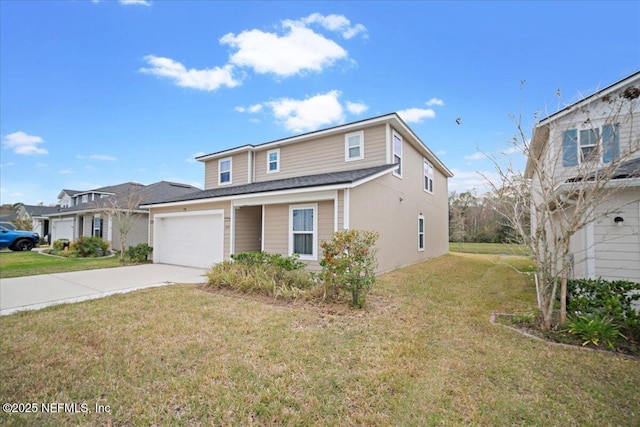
x,y
89,213
288,195
597,135
38,217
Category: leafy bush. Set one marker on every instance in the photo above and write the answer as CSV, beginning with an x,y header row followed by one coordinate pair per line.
x,y
59,244
348,264
140,252
593,329
90,247
261,278
289,263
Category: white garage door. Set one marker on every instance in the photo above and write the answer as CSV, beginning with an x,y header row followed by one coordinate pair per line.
x,y
194,239
62,229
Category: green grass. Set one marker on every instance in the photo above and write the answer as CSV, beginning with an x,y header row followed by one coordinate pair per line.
x,y
489,248
424,353
17,264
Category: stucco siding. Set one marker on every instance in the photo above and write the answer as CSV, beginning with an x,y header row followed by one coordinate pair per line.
x,y
391,206
322,155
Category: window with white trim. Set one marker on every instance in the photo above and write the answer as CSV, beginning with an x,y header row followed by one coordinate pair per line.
x,y
303,231
428,176
85,198
397,154
421,232
354,146
273,161
224,171
596,144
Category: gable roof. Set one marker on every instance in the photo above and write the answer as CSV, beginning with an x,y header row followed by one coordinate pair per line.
x,y
541,129
345,178
35,210
391,118
147,193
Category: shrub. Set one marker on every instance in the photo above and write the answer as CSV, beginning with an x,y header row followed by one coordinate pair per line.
x,y
140,252
90,247
593,329
262,278
59,244
289,263
348,264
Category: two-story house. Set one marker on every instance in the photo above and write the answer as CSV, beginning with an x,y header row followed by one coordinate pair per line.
x,y
287,196
90,212
591,149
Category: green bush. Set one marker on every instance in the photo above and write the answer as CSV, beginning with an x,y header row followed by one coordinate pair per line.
x,y
90,247
58,245
140,252
261,278
594,329
289,263
348,264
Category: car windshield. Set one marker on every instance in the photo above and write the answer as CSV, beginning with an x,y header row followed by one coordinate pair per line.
x,y
8,226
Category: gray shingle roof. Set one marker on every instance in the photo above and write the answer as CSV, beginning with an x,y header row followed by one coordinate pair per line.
x,y
627,169
35,210
320,180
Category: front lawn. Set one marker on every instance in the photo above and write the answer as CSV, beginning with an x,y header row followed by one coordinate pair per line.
x,y
424,353
489,248
17,264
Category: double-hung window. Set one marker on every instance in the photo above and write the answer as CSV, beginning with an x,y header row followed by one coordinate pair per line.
x,y
598,145
397,154
428,176
224,171
303,231
273,161
421,232
354,146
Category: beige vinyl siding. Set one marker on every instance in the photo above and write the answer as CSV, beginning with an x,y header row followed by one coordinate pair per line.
x,y
139,233
391,206
239,171
226,206
322,155
276,233
248,229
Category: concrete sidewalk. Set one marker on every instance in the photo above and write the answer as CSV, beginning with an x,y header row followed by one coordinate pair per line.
x,y
35,292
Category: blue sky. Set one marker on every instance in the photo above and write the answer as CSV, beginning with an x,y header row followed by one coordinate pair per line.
x,y
96,93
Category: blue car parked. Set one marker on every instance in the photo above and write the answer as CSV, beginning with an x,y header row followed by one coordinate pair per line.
x,y
18,240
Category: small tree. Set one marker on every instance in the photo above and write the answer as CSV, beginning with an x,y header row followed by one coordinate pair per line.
x,y
124,210
349,263
553,202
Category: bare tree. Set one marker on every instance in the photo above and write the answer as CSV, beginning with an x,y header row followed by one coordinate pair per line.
x,y
124,210
580,160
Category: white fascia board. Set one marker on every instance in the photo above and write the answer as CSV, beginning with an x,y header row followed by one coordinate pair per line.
x,y
225,153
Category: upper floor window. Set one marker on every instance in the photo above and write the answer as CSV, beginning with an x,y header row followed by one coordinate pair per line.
x,y
590,145
354,146
428,176
85,198
224,171
273,161
397,154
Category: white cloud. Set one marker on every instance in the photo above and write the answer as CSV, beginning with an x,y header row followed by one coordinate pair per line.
x,y
65,171
256,108
356,107
338,23
468,180
476,156
416,115
136,2
102,157
192,159
310,113
435,101
300,49
440,153
209,79
23,143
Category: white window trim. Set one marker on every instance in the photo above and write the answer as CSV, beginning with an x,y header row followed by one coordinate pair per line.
x,y
421,218
277,151
597,146
230,159
394,134
346,146
314,255
426,164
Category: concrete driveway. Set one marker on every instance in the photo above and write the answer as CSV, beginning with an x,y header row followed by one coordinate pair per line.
x,y
35,292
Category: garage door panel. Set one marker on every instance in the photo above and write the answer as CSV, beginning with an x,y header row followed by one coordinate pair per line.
x,y
192,240
62,229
